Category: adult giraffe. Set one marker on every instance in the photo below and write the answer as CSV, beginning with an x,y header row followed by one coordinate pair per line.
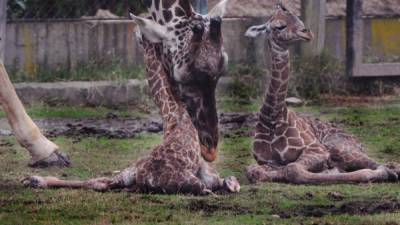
x,y
43,152
295,149
194,58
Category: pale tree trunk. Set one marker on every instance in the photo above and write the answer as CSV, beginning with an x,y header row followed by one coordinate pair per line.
x,y
43,152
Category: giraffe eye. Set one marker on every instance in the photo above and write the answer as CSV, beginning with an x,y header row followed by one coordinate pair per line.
x,y
280,28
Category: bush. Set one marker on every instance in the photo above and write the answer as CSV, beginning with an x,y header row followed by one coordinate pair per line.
x,y
317,75
247,82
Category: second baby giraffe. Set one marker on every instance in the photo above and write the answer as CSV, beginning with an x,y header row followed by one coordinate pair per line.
x,y
301,150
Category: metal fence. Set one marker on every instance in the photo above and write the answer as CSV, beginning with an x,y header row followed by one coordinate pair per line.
x,y
79,9
69,9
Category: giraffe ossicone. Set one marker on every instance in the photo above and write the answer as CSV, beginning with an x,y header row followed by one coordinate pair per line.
x,y
302,150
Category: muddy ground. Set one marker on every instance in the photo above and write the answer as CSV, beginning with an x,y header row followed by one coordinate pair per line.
x,y
114,127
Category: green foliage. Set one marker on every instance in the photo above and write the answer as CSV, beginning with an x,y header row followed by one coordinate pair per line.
x,y
246,81
316,75
91,71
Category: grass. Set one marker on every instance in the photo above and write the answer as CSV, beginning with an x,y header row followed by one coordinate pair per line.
x,y
376,126
91,71
233,104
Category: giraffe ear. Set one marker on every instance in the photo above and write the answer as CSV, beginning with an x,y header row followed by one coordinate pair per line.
x,y
218,10
151,30
256,31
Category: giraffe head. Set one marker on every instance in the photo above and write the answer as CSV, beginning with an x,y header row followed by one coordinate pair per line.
x,y
192,42
194,58
283,28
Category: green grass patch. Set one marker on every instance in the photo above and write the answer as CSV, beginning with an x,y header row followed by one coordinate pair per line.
x,y
366,204
91,71
233,104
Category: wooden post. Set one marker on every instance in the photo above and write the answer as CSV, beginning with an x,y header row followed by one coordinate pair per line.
x,y
354,26
313,13
3,22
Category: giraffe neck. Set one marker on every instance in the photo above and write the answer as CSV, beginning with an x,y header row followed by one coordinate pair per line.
x,y
274,107
162,92
165,11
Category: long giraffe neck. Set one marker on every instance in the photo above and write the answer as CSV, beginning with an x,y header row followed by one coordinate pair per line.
x,y
274,107
170,108
164,11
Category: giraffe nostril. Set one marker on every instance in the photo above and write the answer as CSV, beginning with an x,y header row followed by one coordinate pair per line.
x,y
198,31
305,30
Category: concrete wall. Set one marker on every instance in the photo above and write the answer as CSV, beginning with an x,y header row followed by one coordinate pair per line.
x,y
381,38
65,44
53,45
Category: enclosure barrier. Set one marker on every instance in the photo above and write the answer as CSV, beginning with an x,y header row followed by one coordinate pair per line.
x,y
355,47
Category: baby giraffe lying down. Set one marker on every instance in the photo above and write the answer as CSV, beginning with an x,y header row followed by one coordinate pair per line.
x,y
176,166
296,149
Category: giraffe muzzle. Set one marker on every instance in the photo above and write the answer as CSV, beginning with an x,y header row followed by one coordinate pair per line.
x,y
209,154
306,35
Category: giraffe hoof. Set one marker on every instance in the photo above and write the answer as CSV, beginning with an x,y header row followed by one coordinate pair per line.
x,y
209,192
34,182
99,184
232,184
391,174
57,159
395,167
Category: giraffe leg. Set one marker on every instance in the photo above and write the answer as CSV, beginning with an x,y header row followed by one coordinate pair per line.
x,y
188,183
210,177
347,153
395,167
98,184
124,179
265,173
308,170
43,152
